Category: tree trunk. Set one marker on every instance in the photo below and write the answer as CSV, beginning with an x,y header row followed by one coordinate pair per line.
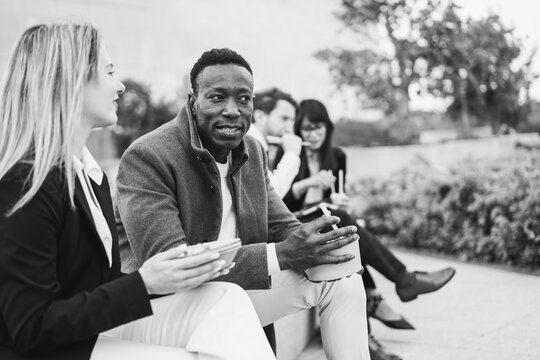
x,y
403,104
465,128
402,130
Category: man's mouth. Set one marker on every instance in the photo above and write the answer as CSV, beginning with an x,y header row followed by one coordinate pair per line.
x,y
229,129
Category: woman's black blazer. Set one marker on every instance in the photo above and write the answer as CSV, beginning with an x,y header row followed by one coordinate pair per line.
x,y
335,161
57,291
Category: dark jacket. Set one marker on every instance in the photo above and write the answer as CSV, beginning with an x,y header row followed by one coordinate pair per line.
x,y
169,192
57,290
337,160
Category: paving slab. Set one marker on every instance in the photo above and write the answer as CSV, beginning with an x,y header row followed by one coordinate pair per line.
x,y
485,312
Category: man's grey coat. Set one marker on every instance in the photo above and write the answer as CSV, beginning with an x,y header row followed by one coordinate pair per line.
x,y
169,192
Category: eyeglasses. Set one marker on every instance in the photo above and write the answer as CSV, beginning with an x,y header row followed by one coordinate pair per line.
x,y
313,128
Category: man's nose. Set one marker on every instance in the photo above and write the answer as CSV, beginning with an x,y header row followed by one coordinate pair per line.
x,y
231,109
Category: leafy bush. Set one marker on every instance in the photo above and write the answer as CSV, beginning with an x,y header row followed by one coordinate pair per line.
x,y
137,114
481,211
389,130
384,132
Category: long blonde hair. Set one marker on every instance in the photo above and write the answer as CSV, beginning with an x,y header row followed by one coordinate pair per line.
x,y
41,98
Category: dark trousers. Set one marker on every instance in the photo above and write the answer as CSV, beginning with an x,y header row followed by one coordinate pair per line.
x,y
372,251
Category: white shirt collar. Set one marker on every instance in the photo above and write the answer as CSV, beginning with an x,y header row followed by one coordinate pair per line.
x,y
257,134
224,168
89,165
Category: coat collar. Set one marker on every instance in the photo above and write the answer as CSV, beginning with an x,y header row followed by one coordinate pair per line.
x,y
186,123
91,166
258,135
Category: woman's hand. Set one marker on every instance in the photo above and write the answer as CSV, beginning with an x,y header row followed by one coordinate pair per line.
x,y
342,200
171,271
324,179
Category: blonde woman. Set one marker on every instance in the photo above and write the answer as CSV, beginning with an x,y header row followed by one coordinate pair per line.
x,y
62,295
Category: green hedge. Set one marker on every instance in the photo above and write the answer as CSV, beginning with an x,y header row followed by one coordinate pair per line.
x,y
487,211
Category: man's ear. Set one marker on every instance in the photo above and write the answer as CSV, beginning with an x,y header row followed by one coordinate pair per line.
x,y
258,116
191,103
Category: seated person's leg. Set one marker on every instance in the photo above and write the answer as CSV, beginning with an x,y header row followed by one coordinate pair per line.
x,y
378,308
215,319
341,305
369,283
375,254
408,284
372,252
108,347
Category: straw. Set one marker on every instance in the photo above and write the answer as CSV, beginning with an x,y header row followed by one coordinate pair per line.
x,y
340,182
276,140
327,213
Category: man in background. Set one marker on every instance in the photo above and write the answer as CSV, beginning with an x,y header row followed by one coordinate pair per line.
x,y
273,120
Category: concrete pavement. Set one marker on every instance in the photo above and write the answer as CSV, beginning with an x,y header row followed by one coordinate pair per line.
x,y
484,313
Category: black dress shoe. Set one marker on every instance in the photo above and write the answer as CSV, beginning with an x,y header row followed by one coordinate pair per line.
x,y
401,324
424,282
374,302
378,352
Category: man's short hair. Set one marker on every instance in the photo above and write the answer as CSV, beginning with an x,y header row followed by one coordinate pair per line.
x,y
216,57
267,100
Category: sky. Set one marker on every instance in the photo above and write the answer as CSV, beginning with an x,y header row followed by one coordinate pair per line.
x,y
158,41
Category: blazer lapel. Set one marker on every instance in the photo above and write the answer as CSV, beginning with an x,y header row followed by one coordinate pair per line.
x,y
82,203
103,196
80,199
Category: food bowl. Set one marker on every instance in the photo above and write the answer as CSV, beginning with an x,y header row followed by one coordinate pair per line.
x,y
332,272
227,249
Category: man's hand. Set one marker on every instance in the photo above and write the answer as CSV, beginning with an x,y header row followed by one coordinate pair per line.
x,y
291,143
306,247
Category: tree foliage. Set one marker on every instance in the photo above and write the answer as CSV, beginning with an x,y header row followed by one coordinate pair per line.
x,y
384,77
472,61
137,114
427,46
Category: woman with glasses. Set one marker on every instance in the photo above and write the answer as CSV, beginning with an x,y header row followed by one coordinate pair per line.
x,y
318,181
62,295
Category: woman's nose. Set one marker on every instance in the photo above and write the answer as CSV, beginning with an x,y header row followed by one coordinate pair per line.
x,y
121,87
